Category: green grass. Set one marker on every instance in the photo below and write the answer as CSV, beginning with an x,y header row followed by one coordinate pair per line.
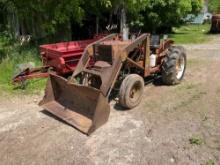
x,y
11,54
191,34
209,162
196,140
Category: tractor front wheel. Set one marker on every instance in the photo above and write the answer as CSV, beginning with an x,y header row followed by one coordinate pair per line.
x,y
131,91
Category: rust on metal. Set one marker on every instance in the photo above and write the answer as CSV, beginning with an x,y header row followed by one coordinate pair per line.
x,y
27,74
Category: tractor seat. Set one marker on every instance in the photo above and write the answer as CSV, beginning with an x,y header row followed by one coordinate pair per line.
x,y
155,42
103,56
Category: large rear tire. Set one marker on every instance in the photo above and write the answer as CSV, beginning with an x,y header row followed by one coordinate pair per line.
x,y
131,91
174,66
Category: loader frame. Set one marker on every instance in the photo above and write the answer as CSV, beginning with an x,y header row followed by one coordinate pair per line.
x,y
121,58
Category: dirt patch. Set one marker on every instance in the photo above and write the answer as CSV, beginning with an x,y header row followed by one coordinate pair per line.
x,y
156,132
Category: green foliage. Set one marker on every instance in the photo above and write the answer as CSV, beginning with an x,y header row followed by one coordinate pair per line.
x,y
214,6
197,6
196,141
162,14
46,17
11,54
209,162
157,14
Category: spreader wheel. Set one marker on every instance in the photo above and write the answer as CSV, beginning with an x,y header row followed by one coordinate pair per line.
x,y
131,91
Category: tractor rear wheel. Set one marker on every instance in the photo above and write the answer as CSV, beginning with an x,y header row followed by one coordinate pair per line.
x,y
174,66
131,91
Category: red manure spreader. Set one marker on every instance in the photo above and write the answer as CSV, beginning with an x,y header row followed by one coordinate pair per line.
x,y
58,58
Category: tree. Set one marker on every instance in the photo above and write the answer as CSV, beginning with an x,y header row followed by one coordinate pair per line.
x,y
44,18
7,8
162,15
157,15
214,6
41,18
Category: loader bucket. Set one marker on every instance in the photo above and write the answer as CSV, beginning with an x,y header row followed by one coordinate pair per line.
x,y
83,107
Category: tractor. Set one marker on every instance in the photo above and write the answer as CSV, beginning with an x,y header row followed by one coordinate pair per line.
x,y
112,65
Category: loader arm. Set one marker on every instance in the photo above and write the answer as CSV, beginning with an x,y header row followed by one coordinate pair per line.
x,y
119,52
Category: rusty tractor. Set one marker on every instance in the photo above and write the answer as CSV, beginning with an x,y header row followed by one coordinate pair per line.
x,y
119,65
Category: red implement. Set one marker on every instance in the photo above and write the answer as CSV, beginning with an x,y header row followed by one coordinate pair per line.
x,y
61,58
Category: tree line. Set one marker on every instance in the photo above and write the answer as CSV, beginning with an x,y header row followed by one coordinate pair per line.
x,y
76,19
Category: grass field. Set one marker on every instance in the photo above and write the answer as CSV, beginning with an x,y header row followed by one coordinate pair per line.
x,y
191,34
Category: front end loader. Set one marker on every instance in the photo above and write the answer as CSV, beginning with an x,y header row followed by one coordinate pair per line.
x,y
107,65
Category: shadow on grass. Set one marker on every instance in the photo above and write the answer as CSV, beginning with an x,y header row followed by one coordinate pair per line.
x,y
177,33
118,107
20,87
31,86
3,55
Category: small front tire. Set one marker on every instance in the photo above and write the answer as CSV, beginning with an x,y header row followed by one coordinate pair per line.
x,y
131,91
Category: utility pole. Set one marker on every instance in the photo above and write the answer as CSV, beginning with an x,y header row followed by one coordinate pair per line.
x,y
123,18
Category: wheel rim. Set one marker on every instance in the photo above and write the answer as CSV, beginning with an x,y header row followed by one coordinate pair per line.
x,y
135,92
180,67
